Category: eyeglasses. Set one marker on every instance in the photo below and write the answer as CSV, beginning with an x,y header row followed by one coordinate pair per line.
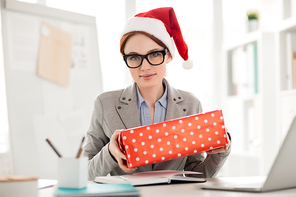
x,y
154,58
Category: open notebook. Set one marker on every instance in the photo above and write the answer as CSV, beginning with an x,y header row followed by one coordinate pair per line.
x,y
282,174
151,177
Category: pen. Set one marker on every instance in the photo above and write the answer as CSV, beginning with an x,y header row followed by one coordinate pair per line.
x,y
124,178
80,148
55,150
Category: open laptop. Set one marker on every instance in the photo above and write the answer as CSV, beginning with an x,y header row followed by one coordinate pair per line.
x,y
282,174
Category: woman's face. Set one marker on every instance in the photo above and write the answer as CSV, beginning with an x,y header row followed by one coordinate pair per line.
x,y
146,76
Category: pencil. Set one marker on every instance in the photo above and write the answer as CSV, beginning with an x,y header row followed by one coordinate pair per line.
x,y
55,150
80,148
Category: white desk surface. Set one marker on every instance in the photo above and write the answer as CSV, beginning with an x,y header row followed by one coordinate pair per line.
x,y
194,189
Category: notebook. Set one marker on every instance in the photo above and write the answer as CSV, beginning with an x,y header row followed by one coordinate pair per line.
x,y
93,189
282,174
151,178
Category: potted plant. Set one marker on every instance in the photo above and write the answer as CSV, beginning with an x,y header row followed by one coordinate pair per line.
x,y
253,20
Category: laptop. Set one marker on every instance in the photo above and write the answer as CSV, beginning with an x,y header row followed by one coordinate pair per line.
x,y
282,174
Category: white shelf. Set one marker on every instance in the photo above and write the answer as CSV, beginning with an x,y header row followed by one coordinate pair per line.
x,y
244,98
245,153
244,40
288,24
291,92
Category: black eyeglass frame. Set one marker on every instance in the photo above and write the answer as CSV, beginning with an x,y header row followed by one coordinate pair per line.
x,y
164,52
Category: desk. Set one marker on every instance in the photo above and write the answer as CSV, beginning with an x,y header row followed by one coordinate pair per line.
x,y
194,189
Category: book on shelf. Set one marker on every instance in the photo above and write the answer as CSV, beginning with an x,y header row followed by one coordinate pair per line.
x,y
252,69
237,62
94,189
294,70
255,61
291,67
151,178
244,70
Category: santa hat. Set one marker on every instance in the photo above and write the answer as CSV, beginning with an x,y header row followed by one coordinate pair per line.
x,y
162,23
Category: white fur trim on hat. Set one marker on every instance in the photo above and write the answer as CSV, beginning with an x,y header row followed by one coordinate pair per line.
x,y
152,26
187,64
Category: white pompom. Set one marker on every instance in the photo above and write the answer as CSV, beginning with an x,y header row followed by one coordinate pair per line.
x,y
187,64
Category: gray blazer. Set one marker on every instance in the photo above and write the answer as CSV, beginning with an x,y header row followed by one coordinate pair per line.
x,y
118,110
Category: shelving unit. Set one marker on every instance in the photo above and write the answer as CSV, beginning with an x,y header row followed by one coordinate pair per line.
x,y
238,106
286,92
242,66
237,103
251,117
286,32
259,134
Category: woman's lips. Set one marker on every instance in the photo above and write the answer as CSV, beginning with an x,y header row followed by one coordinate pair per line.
x,y
148,76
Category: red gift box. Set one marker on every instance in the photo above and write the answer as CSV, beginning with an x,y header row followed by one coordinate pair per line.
x,y
174,138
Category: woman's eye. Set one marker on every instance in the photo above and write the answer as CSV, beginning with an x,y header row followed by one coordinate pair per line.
x,y
134,58
155,54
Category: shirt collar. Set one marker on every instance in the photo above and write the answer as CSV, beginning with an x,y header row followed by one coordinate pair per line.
x,y
163,100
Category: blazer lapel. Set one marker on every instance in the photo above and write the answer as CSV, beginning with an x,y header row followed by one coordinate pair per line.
x,y
127,107
174,109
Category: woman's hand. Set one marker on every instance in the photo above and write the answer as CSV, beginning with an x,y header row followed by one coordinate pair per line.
x,y
222,149
117,154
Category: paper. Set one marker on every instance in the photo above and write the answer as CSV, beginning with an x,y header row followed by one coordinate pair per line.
x,y
22,41
150,177
163,173
80,45
45,183
54,59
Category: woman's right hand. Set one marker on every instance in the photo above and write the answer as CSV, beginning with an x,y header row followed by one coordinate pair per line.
x,y
117,154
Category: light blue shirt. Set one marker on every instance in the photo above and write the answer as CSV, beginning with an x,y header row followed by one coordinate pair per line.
x,y
159,112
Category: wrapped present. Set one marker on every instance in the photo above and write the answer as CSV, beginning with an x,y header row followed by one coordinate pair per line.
x,y
174,138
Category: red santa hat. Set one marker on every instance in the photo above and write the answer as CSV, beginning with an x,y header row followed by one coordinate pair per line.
x,y
162,23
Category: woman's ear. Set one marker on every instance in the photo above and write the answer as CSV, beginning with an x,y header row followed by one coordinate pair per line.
x,y
169,58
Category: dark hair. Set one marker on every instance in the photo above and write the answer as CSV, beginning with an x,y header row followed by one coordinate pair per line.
x,y
126,36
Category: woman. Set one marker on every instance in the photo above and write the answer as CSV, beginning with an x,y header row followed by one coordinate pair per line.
x,y
147,47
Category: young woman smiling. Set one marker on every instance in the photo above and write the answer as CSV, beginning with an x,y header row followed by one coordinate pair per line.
x,y
147,46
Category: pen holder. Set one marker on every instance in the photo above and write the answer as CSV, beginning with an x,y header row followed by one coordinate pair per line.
x,y
72,172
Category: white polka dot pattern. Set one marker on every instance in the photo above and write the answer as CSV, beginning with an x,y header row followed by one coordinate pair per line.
x,y
172,139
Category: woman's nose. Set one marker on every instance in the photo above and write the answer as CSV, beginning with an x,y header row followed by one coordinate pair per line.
x,y
145,65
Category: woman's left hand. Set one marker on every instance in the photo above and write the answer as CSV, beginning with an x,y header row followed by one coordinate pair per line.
x,y
117,154
222,149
